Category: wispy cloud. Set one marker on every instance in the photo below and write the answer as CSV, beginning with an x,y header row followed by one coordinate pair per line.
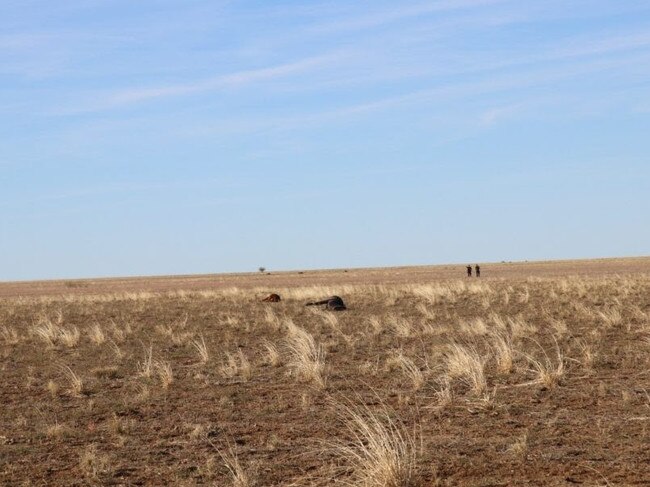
x,y
129,96
510,84
397,13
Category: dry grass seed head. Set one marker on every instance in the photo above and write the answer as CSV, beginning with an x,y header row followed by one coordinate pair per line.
x,y
559,326
48,332
117,351
272,319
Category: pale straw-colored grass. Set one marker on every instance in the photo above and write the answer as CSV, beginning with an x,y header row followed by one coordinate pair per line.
x,y
378,449
306,357
466,364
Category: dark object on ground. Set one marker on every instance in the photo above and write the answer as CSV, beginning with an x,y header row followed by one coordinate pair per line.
x,y
272,298
469,271
333,303
477,270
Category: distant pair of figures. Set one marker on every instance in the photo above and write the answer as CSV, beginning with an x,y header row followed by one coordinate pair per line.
x,y
477,269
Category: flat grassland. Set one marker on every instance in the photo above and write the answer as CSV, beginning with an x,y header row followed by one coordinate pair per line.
x,y
534,374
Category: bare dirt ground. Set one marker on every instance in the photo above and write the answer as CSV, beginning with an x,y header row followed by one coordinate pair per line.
x,y
534,374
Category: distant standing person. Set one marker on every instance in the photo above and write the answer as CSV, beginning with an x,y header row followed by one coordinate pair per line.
x,y
469,271
478,270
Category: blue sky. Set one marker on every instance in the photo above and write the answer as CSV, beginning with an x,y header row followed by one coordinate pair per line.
x,y
161,137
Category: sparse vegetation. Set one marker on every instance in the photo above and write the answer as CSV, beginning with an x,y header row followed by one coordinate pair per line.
x,y
421,382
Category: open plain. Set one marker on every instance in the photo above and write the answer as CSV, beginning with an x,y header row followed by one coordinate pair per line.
x,y
535,374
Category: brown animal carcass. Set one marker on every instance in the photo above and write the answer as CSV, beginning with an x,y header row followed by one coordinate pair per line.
x,y
333,303
272,298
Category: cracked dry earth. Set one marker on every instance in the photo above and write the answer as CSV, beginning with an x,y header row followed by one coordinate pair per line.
x,y
525,377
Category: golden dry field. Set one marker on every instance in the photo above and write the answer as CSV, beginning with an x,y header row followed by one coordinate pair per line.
x,y
535,374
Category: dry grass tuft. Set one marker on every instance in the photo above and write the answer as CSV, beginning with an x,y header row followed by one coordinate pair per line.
x,y
466,364
76,384
236,365
589,355
443,395
92,463
165,373
53,334
52,388
520,447
240,477
409,369
379,450
9,335
611,317
56,430
503,352
96,334
69,337
146,367
548,372
306,357
201,349
272,355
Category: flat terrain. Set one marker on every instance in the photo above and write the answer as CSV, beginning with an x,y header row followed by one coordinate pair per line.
x,y
535,374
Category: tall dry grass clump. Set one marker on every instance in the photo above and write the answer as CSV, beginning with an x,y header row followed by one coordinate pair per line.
x,y
611,317
96,334
504,353
201,349
520,328
53,333
76,383
146,367
272,354
380,450
164,372
547,371
475,326
466,364
306,357
409,368
240,477
272,319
